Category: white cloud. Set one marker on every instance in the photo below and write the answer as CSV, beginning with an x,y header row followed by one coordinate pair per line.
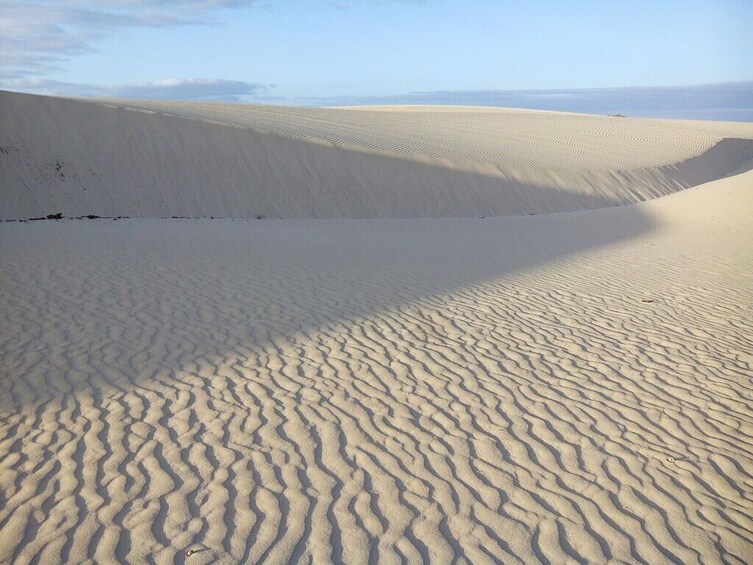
x,y
191,89
37,36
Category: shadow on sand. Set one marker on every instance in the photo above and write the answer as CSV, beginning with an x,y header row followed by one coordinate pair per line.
x,y
136,341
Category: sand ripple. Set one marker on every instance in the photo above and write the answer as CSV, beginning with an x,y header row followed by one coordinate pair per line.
x,y
479,391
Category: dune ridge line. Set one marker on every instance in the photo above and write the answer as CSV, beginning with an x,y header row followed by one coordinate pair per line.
x,y
61,156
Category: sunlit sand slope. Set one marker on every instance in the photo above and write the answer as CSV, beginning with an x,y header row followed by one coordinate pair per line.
x,y
157,158
572,387
497,136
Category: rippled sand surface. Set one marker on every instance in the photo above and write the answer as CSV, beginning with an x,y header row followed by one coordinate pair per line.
x,y
549,388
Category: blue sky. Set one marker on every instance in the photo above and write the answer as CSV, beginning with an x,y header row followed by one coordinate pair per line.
x,y
293,51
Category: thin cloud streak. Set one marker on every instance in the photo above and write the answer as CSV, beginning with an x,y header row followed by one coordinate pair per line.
x,y
192,89
727,101
170,89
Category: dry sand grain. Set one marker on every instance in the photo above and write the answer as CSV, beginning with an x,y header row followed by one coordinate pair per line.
x,y
556,388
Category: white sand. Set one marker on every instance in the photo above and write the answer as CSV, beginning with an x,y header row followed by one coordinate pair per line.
x,y
154,159
552,388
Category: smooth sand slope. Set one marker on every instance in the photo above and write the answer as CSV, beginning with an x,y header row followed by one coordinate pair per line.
x,y
548,388
156,159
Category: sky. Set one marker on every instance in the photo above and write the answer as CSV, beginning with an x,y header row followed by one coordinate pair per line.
x,y
316,52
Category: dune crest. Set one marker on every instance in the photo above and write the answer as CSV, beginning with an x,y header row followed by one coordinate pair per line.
x,y
161,159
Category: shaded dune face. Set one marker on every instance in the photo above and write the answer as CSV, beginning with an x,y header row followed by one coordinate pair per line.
x,y
159,159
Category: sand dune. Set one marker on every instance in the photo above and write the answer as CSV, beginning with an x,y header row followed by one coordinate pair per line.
x,y
157,159
570,387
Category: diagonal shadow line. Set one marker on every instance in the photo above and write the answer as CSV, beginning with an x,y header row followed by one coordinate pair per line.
x,y
92,302
99,309
228,261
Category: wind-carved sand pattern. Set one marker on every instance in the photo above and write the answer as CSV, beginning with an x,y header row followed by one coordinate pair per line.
x,y
562,388
569,387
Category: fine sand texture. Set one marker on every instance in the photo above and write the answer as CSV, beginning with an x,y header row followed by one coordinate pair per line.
x,y
423,385
161,159
564,388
